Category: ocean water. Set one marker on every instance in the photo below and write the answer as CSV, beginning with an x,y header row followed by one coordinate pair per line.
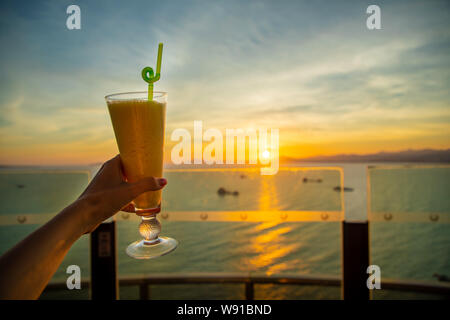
x,y
404,250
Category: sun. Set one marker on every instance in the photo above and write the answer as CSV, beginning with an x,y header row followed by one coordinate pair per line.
x,y
265,155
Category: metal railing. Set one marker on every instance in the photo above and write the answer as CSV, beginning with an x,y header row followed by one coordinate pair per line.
x,y
424,216
249,280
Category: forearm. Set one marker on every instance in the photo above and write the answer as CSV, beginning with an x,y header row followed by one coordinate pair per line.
x,y
26,269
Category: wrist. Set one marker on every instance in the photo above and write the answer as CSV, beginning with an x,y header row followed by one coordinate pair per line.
x,y
92,211
81,214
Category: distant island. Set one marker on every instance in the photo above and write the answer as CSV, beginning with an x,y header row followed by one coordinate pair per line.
x,y
425,155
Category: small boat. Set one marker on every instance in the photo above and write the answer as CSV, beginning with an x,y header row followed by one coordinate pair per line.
x,y
311,180
345,189
441,277
222,192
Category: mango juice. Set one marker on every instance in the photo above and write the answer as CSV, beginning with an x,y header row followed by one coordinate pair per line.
x,y
139,129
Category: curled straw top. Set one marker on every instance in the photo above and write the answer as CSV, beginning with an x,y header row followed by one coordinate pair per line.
x,y
149,76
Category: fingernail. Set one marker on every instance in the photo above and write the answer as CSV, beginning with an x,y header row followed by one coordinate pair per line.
x,y
162,182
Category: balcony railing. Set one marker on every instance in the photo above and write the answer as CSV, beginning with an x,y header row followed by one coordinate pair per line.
x,y
249,280
355,239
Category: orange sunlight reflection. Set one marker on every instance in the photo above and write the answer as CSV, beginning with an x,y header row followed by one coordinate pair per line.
x,y
268,244
268,199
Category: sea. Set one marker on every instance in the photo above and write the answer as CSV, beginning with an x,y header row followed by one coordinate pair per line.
x,y
404,249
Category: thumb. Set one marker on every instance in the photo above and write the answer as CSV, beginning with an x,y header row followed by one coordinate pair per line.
x,y
146,184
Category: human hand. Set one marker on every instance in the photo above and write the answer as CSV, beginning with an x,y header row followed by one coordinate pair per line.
x,y
109,193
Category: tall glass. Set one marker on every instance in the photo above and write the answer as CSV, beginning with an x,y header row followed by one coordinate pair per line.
x,y
139,129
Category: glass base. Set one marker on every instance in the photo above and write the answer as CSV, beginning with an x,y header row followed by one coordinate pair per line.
x,y
142,249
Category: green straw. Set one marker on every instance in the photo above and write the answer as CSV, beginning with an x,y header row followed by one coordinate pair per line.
x,y
149,76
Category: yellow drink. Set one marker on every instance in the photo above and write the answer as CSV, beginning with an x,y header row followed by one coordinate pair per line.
x,y
139,129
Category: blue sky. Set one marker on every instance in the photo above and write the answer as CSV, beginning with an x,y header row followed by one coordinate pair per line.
x,y
310,68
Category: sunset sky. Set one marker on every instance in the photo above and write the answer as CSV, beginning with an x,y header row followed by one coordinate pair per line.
x,y
310,68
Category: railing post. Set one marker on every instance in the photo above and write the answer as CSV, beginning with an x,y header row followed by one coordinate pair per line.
x,y
104,284
249,290
355,234
355,257
143,291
